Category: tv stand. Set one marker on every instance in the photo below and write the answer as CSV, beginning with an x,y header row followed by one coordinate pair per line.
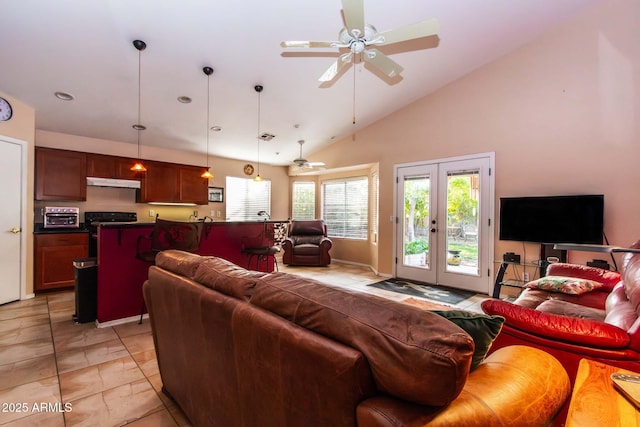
x,y
513,283
549,250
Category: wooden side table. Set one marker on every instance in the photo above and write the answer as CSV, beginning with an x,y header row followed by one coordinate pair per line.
x,y
595,402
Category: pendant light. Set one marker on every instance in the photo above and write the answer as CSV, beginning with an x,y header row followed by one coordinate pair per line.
x,y
208,71
258,89
138,166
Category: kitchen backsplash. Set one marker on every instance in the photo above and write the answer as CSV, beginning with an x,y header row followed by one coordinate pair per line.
x,y
124,200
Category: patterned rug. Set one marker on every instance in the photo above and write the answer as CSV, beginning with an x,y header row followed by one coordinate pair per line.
x,y
423,290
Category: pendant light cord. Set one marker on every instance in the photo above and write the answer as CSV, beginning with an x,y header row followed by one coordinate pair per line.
x,y
208,116
259,92
138,128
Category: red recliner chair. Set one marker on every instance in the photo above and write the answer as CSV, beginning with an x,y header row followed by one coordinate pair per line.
x,y
307,243
602,325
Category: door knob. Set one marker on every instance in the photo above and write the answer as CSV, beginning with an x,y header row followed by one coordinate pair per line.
x,y
15,230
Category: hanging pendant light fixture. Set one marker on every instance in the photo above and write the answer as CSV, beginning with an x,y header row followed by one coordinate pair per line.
x,y
258,89
208,71
138,166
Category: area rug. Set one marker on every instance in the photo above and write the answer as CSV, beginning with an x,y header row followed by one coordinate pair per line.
x,y
423,290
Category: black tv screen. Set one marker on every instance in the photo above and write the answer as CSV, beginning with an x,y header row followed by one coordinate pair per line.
x,y
553,219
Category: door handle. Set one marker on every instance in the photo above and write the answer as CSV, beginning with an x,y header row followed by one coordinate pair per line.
x,y
433,230
15,230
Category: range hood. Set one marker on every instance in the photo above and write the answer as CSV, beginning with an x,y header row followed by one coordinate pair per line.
x,y
110,182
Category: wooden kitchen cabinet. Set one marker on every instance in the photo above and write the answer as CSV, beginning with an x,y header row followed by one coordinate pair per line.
x,y
172,183
104,166
54,255
60,175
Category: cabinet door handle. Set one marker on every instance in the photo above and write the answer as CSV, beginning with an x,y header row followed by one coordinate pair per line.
x,y
16,230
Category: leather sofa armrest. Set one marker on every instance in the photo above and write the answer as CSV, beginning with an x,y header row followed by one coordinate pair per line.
x,y
573,330
538,387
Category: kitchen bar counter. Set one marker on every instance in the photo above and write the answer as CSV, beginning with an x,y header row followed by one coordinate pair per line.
x,y
121,274
39,229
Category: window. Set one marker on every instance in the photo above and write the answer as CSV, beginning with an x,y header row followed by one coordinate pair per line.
x,y
345,207
303,200
246,197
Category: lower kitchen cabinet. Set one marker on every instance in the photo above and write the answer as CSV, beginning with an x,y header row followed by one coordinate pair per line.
x,y
54,255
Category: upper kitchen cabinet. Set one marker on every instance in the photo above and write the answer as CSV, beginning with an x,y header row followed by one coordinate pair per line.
x,y
171,183
60,174
104,166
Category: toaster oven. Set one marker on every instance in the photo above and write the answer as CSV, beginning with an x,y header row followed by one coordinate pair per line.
x,y
61,217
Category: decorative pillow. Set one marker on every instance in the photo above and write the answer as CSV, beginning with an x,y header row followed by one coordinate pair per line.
x,y
566,285
481,327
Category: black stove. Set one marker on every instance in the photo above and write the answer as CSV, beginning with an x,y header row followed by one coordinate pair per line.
x,y
91,220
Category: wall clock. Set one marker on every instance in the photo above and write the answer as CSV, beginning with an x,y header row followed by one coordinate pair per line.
x,y
248,169
5,110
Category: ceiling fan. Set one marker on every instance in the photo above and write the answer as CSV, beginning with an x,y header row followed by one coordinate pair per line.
x,y
359,38
303,163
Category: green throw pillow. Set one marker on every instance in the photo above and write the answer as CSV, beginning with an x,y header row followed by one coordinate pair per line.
x,y
482,328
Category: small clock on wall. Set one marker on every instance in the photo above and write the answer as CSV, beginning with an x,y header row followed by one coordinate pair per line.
x,y
248,169
5,110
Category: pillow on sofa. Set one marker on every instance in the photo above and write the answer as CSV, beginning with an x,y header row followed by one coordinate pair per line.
x,y
482,328
566,285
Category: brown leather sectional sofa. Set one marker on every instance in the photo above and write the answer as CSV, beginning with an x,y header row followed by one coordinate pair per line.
x,y
243,348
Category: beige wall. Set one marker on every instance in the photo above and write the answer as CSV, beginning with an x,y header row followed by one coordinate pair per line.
x,y
561,114
21,126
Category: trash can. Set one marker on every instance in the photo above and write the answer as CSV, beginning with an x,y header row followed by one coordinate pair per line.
x,y
85,271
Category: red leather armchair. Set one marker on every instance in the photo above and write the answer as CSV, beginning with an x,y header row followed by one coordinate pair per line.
x,y
307,243
602,325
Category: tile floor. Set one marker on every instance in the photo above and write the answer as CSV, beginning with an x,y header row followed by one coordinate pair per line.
x,y
57,373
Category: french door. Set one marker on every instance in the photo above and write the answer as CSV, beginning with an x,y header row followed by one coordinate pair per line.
x,y
443,231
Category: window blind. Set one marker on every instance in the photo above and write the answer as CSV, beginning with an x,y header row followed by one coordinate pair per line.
x,y
303,205
345,207
246,197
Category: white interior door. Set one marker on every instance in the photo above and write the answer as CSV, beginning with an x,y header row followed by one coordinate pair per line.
x,y
12,244
443,232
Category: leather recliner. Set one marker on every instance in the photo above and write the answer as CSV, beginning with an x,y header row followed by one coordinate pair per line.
x,y
307,243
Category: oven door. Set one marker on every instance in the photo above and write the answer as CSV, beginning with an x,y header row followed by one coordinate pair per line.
x,y
60,220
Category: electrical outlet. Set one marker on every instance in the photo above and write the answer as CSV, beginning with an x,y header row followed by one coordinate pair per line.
x,y
152,213
525,277
218,214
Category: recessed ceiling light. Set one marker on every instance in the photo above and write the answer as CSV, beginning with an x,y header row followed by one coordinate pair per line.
x,y
216,128
184,99
64,96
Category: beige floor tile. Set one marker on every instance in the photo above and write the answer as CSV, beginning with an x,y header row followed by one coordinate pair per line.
x,y
139,343
94,354
116,406
161,418
62,316
26,371
147,362
23,309
26,350
39,419
34,393
132,328
25,334
76,336
98,378
24,322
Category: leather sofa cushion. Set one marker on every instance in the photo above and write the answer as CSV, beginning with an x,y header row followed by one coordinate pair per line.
x,y
307,240
228,278
565,308
413,354
532,298
631,277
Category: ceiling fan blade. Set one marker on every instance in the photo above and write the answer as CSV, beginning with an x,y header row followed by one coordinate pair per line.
x,y
383,62
308,44
409,32
335,68
314,164
353,11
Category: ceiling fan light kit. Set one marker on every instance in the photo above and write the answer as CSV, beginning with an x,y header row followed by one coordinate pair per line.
x,y
360,38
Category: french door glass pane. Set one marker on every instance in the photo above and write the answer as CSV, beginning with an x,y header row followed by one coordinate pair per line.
x,y
416,221
463,191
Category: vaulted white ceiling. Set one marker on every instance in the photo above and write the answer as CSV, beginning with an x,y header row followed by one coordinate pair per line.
x,y
85,48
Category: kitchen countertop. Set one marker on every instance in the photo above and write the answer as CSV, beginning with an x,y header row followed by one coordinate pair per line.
x,y
39,229
147,224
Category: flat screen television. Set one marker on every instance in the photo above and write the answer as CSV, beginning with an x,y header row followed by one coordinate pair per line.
x,y
552,219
